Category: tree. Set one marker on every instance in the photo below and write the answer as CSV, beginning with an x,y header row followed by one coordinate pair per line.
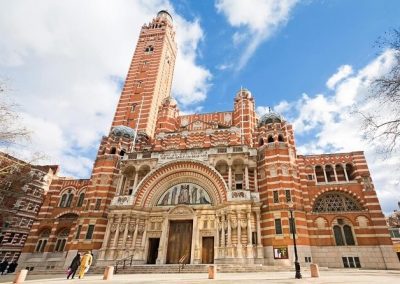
x,y
382,119
11,131
14,173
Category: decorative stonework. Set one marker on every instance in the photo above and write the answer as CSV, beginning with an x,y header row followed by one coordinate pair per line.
x,y
186,193
201,155
157,182
181,210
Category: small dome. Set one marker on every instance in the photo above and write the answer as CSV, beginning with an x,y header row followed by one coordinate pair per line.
x,y
164,14
270,117
122,130
243,93
169,101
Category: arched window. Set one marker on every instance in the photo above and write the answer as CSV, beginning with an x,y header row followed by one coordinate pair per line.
x,y
340,173
330,175
66,199
69,200
319,172
113,150
42,241
343,234
270,139
335,202
63,201
280,138
337,231
61,240
80,200
348,235
350,171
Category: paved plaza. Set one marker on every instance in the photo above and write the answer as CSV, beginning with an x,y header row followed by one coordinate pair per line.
x,y
329,276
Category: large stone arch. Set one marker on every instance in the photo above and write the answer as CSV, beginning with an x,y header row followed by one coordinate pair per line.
x,y
158,180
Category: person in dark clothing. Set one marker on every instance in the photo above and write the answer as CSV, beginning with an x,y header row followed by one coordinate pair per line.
x,y
11,268
74,266
3,266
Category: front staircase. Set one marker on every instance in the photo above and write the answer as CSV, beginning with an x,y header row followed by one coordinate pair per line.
x,y
193,268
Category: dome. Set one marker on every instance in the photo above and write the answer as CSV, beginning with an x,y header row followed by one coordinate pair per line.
x,y
270,117
122,130
243,92
164,14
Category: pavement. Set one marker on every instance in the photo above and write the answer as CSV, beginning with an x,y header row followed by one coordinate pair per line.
x,y
329,276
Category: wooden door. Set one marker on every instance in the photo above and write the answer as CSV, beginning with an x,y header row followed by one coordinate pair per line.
x,y
179,241
207,251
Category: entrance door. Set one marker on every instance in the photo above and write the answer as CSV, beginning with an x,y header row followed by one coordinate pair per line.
x,y
153,250
207,251
179,242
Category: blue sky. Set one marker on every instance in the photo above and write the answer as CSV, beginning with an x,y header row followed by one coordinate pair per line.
x,y
309,60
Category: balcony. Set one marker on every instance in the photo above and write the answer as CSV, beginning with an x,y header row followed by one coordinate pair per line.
x,y
123,200
242,195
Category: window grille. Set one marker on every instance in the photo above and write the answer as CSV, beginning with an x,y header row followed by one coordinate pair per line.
x,y
335,202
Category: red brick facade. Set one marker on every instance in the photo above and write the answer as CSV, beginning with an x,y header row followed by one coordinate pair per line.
x,y
230,176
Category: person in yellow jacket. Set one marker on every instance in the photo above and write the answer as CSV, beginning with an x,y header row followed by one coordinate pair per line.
x,y
86,262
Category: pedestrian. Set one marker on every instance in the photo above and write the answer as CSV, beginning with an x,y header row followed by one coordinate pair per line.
x,y
86,262
74,266
3,266
11,268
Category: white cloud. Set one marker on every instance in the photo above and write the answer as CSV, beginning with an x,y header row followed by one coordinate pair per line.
x,y
65,61
328,124
259,19
343,72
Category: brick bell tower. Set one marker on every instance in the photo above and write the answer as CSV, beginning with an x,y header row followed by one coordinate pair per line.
x,y
149,77
147,85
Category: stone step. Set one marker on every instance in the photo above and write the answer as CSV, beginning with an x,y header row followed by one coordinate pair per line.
x,y
193,268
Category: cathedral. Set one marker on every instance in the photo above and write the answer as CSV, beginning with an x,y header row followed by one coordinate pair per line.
x,y
219,187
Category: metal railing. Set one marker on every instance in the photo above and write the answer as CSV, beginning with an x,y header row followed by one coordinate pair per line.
x,y
181,262
122,263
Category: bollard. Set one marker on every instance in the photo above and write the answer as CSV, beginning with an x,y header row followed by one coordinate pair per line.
x,y
20,276
212,271
314,270
108,273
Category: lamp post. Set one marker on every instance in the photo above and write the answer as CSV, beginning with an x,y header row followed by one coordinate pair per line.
x,y
296,258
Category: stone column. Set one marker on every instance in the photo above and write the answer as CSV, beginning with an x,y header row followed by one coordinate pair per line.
x,y
249,239
223,234
246,176
106,238
128,219
230,177
216,245
135,182
143,243
135,233
315,175
239,235
107,233
345,172
120,184
229,238
162,248
260,253
116,236
255,180
196,254
326,178
334,171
